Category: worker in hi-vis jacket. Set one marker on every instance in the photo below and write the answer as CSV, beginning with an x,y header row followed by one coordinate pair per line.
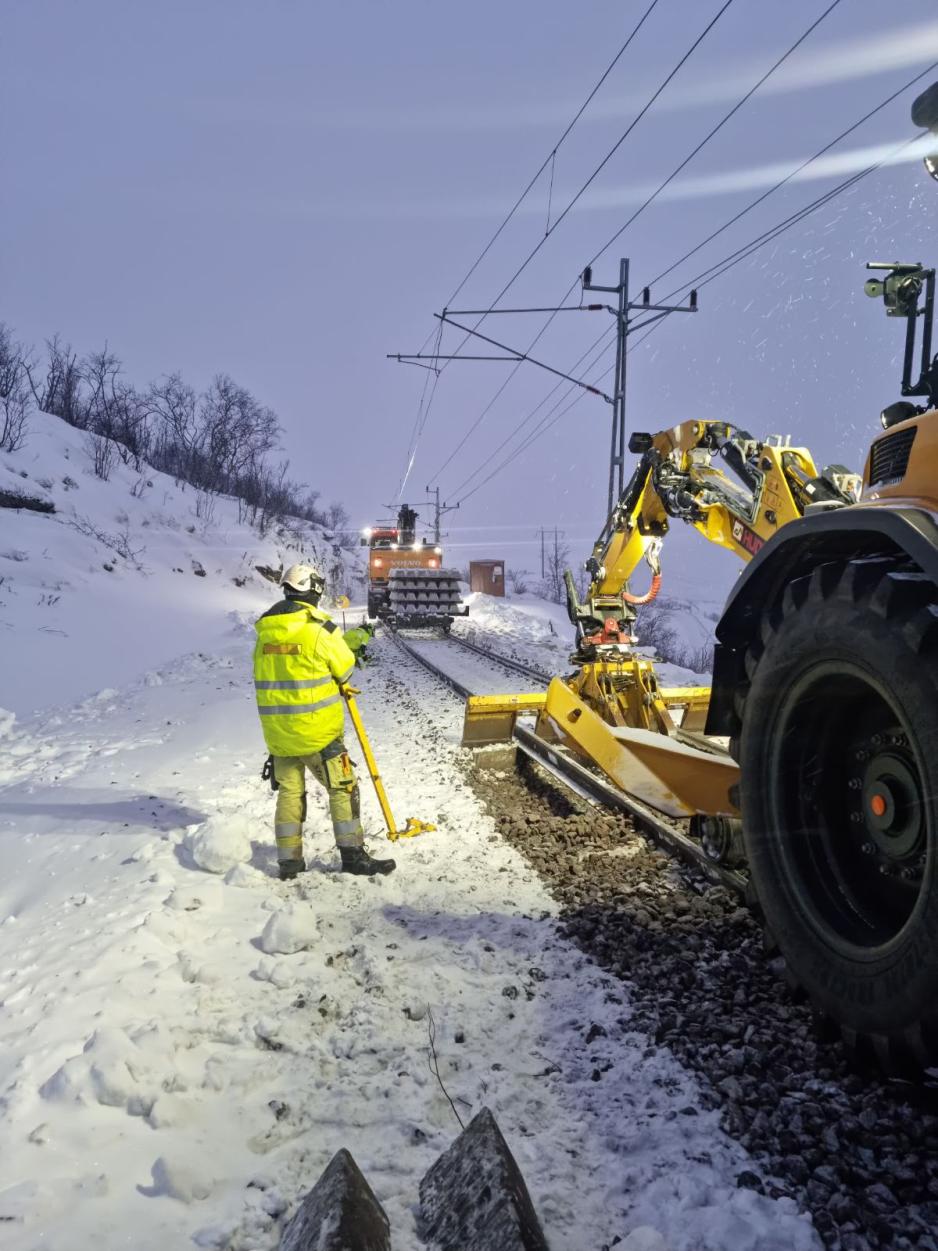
x,y
300,663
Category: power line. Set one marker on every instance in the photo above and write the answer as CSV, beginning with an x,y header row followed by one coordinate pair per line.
x,y
678,169
739,254
547,420
727,263
550,160
536,249
797,170
551,156
609,155
420,420
718,127
719,269
542,428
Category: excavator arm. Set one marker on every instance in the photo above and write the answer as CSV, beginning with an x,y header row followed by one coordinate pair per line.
x,y
734,489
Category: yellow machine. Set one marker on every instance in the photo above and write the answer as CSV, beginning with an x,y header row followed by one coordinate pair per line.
x,y
605,709
825,687
818,762
677,477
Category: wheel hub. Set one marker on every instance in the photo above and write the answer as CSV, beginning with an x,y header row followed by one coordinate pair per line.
x,y
891,817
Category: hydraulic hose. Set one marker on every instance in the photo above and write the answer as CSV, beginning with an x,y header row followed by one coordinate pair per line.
x,y
650,594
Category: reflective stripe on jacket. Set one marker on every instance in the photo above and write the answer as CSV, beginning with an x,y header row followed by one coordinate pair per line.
x,y
299,659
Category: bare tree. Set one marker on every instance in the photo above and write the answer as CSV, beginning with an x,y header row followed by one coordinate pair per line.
x,y
172,407
554,587
518,581
59,391
114,409
14,417
14,391
236,433
310,510
100,451
101,373
218,442
337,520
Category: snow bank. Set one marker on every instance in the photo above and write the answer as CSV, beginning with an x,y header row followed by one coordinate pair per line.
x,y
538,632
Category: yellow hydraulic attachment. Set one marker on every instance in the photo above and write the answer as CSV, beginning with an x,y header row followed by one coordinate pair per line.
x,y
671,775
736,491
413,826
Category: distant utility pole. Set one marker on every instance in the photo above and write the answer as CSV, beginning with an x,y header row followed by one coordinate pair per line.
x,y
624,327
439,510
543,531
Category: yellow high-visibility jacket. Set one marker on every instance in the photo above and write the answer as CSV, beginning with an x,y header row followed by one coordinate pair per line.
x,y
299,659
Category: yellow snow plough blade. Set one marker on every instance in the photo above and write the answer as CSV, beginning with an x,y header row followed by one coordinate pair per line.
x,y
491,718
412,826
667,774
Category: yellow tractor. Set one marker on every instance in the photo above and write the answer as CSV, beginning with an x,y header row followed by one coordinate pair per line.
x,y
813,758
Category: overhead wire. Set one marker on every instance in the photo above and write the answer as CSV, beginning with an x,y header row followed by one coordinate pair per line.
x,y
549,231
715,130
547,421
609,336
717,270
550,160
793,174
650,199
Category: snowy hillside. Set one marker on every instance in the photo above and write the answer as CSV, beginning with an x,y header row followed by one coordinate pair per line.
x,y
127,572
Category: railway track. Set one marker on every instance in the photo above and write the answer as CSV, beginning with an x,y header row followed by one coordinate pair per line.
x,y
577,777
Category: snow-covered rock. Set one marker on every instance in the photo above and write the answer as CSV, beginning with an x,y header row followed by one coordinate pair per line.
x,y
186,1180
220,843
289,930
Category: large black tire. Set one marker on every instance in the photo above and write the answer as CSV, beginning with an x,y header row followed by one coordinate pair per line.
x,y
838,756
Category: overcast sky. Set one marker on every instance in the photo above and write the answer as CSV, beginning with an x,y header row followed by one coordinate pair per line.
x,y
287,191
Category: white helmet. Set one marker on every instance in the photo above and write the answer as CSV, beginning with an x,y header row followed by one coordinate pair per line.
x,y
303,580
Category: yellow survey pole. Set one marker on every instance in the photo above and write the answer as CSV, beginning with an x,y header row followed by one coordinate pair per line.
x,y
413,826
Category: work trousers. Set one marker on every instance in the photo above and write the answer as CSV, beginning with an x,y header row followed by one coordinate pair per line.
x,y
332,769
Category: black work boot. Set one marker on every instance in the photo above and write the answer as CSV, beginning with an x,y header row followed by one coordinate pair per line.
x,y
290,868
357,860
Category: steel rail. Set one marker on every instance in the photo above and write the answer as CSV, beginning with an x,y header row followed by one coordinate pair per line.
x,y
457,687
668,837
537,675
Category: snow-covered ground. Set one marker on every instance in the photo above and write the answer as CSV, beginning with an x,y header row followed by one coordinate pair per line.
x,y
185,1041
